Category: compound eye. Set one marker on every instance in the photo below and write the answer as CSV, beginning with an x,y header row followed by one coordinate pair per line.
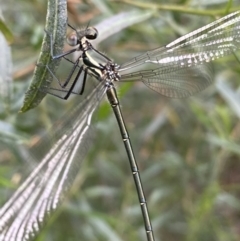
x,y
72,39
91,33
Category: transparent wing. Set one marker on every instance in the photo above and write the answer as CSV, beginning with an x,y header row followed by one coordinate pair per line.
x,y
203,45
181,83
42,192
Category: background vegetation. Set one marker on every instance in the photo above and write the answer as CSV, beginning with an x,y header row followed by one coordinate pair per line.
x,y
187,150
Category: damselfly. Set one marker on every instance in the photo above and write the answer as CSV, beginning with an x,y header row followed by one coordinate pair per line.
x,y
176,70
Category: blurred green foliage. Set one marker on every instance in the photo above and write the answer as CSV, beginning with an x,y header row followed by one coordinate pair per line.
x,y
187,150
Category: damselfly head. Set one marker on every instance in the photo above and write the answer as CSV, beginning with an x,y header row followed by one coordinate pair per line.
x,y
75,37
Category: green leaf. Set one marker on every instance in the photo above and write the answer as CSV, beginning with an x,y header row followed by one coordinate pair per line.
x,y
56,25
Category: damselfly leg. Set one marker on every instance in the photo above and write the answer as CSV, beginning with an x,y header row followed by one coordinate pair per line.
x,y
75,80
